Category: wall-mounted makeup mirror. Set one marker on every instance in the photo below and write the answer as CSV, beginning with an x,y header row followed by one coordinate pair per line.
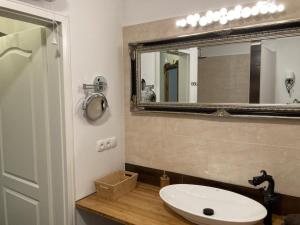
x,y
95,104
251,71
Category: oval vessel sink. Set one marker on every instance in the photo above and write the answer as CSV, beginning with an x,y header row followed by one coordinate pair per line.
x,y
224,207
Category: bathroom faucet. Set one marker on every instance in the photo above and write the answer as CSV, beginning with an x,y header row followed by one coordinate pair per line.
x,y
270,198
296,101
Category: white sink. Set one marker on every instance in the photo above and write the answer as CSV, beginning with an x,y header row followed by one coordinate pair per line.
x,y
229,208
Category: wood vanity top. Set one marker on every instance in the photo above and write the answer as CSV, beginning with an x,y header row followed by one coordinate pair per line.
x,y
142,206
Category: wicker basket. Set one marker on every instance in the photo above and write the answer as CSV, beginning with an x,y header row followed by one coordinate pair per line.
x,y
115,185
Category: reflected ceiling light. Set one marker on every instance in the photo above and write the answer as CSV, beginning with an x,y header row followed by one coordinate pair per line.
x,y
224,15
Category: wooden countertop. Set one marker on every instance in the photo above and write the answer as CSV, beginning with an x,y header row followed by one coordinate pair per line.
x,y
142,206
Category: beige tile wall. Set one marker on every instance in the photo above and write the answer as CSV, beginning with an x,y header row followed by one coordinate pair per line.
x,y
224,79
228,150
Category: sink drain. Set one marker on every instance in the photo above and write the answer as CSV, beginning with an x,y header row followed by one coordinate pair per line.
x,y
208,212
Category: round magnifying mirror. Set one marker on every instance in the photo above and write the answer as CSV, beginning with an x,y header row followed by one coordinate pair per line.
x,y
95,106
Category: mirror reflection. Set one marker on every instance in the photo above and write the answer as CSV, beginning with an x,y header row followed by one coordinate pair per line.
x,y
264,72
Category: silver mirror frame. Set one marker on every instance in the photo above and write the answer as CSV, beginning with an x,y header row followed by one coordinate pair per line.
x,y
250,34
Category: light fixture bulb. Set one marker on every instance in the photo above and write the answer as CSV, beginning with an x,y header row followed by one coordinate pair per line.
x,y
194,23
209,16
254,11
223,20
190,19
209,20
216,16
280,8
231,15
237,12
259,4
238,8
264,9
203,21
223,11
246,12
182,23
197,17
272,8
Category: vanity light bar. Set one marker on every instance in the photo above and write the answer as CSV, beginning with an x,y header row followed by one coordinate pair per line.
x,y
223,16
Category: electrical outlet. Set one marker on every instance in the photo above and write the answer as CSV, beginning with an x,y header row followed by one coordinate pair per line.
x,y
113,142
106,144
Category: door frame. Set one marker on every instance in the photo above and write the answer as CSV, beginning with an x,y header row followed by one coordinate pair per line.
x,y
66,100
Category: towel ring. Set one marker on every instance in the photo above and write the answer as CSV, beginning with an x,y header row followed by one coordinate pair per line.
x,y
94,106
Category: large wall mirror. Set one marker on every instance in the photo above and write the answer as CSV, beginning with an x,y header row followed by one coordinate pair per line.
x,y
248,71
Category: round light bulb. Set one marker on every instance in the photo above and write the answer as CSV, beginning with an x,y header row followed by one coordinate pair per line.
x,y
223,11
272,8
259,4
254,11
223,20
203,21
178,23
209,16
237,12
231,15
197,17
216,16
280,8
238,8
264,9
194,24
190,19
183,23
246,12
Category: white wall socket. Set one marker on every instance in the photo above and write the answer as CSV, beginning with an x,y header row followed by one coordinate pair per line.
x,y
106,144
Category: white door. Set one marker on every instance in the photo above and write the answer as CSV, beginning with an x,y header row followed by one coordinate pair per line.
x,y
26,180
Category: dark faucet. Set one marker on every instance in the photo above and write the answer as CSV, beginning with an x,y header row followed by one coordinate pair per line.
x,y
270,198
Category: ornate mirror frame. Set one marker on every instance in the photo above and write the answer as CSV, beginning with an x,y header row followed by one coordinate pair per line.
x,y
251,34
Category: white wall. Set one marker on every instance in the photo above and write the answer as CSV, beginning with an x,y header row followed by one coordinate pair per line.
x,y
96,48
150,69
287,52
193,72
268,76
140,11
